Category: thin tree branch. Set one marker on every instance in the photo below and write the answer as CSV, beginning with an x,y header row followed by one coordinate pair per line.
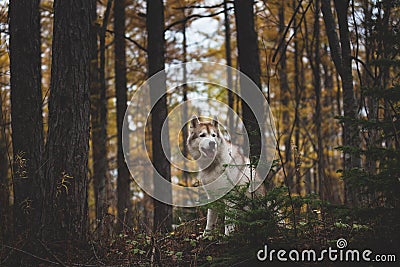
x,y
364,65
286,30
185,20
204,7
131,40
32,255
52,254
298,26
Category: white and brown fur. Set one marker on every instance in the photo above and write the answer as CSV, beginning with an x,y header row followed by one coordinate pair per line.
x,y
216,156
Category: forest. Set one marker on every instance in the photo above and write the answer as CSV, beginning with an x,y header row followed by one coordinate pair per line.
x,y
199,133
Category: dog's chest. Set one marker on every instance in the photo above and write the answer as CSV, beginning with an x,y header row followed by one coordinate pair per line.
x,y
216,169
213,172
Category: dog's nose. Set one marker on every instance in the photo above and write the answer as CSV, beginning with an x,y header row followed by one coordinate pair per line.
x,y
211,144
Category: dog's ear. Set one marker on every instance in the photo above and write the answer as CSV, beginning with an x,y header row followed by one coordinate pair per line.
x,y
215,122
194,122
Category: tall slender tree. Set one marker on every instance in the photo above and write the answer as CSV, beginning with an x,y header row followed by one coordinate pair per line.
x,y
65,207
284,83
317,88
228,57
98,111
297,94
4,181
249,64
341,56
124,208
159,113
26,111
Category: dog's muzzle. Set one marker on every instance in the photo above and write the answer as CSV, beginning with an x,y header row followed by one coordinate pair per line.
x,y
208,148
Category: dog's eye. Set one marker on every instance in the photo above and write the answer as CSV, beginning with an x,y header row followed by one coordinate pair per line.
x,y
202,135
213,135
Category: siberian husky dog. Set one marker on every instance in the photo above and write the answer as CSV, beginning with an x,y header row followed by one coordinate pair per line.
x,y
221,163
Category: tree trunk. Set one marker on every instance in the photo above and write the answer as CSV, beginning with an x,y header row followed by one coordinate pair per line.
x,y
228,56
65,213
249,63
5,223
341,56
98,111
351,136
286,132
371,101
297,93
124,206
156,50
26,111
333,39
330,164
284,86
317,90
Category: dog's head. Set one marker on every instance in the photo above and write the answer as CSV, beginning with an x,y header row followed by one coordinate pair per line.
x,y
204,138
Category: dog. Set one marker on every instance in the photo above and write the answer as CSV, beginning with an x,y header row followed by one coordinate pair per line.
x,y
221,163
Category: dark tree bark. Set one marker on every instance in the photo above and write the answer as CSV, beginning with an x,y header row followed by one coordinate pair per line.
x,y
156,50
5,222
124,208
285,93
249,63
65,214
297,92
228,57
333,39
98,111
341,56
371,102
283,81
317,89
26,111
307,177
329,101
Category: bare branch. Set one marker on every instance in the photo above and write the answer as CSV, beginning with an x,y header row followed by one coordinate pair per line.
x,y
204,7
185,20
32,255
130,40
364,65
287,29
298,26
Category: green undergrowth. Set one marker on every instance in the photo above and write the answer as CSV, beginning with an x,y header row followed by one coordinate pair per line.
x,y
274,219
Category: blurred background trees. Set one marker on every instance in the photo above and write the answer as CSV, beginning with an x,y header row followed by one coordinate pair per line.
x,y
329,69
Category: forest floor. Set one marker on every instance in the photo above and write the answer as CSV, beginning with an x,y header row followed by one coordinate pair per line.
x,y
375,230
